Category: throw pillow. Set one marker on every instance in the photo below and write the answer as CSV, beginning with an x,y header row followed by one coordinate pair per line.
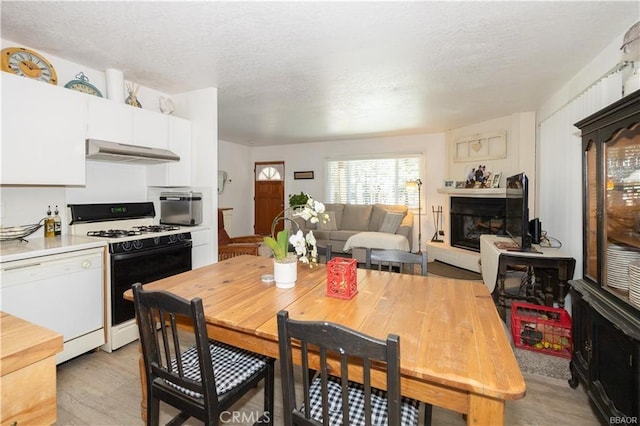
x,y
391,222
331,224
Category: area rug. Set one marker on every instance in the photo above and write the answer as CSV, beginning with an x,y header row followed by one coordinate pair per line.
x,y
442,269
539,363
542,365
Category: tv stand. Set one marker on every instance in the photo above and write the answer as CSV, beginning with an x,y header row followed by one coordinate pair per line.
x,y
551,268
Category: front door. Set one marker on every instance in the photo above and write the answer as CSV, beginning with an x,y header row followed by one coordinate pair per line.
x,y
269,195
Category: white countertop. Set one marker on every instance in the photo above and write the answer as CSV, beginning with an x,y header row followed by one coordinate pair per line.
x,y
194,228
40,246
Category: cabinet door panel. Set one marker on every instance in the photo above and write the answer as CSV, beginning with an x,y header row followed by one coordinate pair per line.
x,y
174,174
150,129
109,121
200,253
614,371
43,133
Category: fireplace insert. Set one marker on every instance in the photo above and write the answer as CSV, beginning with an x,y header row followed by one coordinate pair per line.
x,y
471,217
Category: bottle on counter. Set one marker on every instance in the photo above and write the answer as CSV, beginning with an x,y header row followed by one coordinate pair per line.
x,y
49,225
57,223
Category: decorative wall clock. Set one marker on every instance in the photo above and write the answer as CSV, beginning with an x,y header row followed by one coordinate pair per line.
x,y
81,84
27,63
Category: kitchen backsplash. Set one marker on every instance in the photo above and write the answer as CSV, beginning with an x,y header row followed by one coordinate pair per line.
x,y
106,182
24,205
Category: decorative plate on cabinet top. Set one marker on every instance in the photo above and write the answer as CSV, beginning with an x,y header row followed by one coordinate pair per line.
x,y
81,84
27,63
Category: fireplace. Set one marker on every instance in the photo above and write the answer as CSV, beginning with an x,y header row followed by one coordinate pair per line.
x,y
471,217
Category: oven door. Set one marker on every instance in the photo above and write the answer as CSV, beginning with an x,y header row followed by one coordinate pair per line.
x,y
143,267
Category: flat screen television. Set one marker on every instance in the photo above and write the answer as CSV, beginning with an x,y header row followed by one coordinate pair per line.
x,y
517,211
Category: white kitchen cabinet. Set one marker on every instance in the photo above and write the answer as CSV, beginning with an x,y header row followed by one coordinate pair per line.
x,y
174,174
117,122
200,252
109,121
43,133
150,129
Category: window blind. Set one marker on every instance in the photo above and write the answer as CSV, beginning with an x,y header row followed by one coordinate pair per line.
x,y
372,180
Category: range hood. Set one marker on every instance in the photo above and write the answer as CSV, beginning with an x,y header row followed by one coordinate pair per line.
x,y
98,150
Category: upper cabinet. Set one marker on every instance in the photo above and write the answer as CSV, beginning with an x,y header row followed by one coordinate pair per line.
x,y
174,174
611,147
150,129
44,129
109,121
115,122
43,133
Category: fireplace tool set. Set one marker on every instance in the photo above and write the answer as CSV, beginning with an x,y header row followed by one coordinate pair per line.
x,y
437,224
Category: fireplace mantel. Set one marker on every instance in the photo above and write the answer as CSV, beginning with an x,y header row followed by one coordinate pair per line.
x,y
474,192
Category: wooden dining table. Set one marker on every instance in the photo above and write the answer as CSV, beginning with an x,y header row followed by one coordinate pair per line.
x,y
455,352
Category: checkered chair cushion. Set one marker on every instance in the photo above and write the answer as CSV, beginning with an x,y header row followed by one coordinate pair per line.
x,y
231,366
409,408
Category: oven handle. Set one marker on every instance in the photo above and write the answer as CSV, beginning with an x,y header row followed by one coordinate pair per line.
x,y
165,249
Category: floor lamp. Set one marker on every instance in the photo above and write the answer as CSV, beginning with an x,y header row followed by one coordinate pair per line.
x,y
418,184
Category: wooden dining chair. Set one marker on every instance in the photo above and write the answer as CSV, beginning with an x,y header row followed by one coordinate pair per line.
x,y
330,400
387,259
182,375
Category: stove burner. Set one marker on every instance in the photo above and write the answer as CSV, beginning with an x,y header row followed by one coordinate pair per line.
x,y
156,228
113,233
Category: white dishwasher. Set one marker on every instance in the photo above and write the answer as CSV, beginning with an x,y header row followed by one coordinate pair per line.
x,y
63,292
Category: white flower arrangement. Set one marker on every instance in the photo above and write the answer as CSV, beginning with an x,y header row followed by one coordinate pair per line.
x,y
305,246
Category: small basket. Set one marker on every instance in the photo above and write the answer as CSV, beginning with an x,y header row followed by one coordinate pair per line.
x,y
342,277
541,329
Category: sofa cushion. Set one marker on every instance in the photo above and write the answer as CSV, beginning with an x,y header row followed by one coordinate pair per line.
x,y
338,209
391,222
319,234
356,217
380,210
331,224
305,225
341,235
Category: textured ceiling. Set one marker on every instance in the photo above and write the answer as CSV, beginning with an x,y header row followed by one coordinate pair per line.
x,y
290,72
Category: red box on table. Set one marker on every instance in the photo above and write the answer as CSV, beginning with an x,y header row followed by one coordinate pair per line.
x,y
342,277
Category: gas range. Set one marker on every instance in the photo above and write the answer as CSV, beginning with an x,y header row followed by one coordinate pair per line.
x,y
139,250
119,222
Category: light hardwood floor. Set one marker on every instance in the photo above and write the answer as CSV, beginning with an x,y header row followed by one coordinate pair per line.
x,y
104,389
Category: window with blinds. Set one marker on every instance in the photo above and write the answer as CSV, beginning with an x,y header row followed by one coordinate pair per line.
x,y
373,180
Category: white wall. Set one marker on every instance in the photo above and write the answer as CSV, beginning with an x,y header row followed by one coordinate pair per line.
x,y
235,159
560,153
67,71
520,129
311,157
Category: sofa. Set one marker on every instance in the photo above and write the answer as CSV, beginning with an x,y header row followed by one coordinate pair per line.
x,y
347,220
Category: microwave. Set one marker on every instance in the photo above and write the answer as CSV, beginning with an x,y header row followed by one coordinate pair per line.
x,y
181,208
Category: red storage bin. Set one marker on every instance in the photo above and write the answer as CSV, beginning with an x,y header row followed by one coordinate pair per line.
x,y
342,277
541,329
